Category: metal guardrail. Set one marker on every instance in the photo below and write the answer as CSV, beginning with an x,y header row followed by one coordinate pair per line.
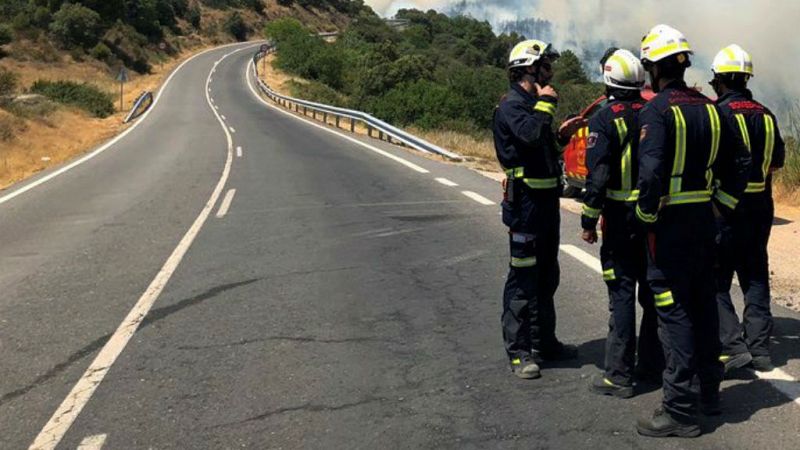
x,y
142,103
384,130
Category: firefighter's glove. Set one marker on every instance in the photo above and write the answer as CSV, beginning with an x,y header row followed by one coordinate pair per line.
x,y
589,236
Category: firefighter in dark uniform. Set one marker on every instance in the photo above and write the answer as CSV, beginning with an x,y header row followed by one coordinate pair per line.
x,y
687,157
612,153
527,149
743,247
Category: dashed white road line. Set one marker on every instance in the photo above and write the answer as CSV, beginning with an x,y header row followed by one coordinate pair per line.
x,y
779,379
478,198
81,393
446,182
109,144
223,117
232,130
93,442
238,152
226,203
372,148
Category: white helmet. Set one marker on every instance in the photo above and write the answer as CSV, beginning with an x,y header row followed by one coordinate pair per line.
x,y
623,70
733,59
663,41
526,53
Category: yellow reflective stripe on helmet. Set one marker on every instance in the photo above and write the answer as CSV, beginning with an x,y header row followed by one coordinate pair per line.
x,y
664,299
592,213
541,183
729,53
744,131
627,176
726,199
716,131
545,107
769,127
669,48
622,196
516,172
754,188
523,262
609,275
624,64
644,217
649,38
683,198
679,163
728,68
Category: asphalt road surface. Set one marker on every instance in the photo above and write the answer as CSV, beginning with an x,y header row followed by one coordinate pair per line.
x,y
292,288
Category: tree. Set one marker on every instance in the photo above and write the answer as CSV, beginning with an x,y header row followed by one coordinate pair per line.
x,y
76,26
569,70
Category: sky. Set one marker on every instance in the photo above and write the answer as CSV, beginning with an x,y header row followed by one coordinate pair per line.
x,y
765,28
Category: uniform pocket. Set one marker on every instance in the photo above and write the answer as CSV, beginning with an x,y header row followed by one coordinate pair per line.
x,y
523,250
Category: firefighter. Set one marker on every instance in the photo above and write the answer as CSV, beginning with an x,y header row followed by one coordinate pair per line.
x,y
744,247
526,148
612,151
690,163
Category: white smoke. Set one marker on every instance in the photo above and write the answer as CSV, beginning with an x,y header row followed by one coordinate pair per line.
x,y
764,28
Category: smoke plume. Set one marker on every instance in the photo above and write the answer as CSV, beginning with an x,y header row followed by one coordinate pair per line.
x,y
761,27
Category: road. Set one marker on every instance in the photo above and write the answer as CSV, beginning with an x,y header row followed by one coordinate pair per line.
x,y
316,291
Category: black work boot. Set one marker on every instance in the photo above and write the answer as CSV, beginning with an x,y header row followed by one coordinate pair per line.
x,y
525,367
603,386
736,361
662,424
763,364
558,352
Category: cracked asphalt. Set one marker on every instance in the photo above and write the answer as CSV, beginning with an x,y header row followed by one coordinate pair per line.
x,y
344,301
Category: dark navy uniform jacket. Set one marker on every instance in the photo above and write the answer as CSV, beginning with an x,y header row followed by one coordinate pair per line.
x,y
687,153
524,137
759,130
611,157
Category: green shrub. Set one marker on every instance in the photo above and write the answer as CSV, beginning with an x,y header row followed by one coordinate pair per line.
x,y
236,26
101,52
194,16
76,26
82,95
789,175
32,110
317,92
5,34
8,82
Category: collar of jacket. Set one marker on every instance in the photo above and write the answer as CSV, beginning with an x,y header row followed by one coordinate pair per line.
x,y
675,84
525,94
736,95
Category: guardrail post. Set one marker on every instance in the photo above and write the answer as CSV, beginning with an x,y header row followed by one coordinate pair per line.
x,y
325,118
380,135
369,130
314,114
352,125
337,121
305,110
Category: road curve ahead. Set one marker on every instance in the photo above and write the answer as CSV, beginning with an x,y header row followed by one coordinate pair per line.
x,y
292,288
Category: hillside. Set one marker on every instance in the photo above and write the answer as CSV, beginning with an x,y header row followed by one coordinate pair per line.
x,y
87,42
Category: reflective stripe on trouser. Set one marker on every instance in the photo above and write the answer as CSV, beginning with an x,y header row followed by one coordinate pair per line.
x,y
680,261
747,256
626,258
529,316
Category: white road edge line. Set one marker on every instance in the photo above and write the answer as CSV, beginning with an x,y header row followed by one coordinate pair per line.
x,y
478,198
93,442
226,203
446,182
108,144
779,379
402,161
238,152
81,393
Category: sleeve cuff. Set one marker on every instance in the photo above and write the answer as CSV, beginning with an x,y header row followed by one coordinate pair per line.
x,y
545,107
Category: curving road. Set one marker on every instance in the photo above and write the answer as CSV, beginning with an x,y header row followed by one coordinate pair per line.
x,y
297,289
